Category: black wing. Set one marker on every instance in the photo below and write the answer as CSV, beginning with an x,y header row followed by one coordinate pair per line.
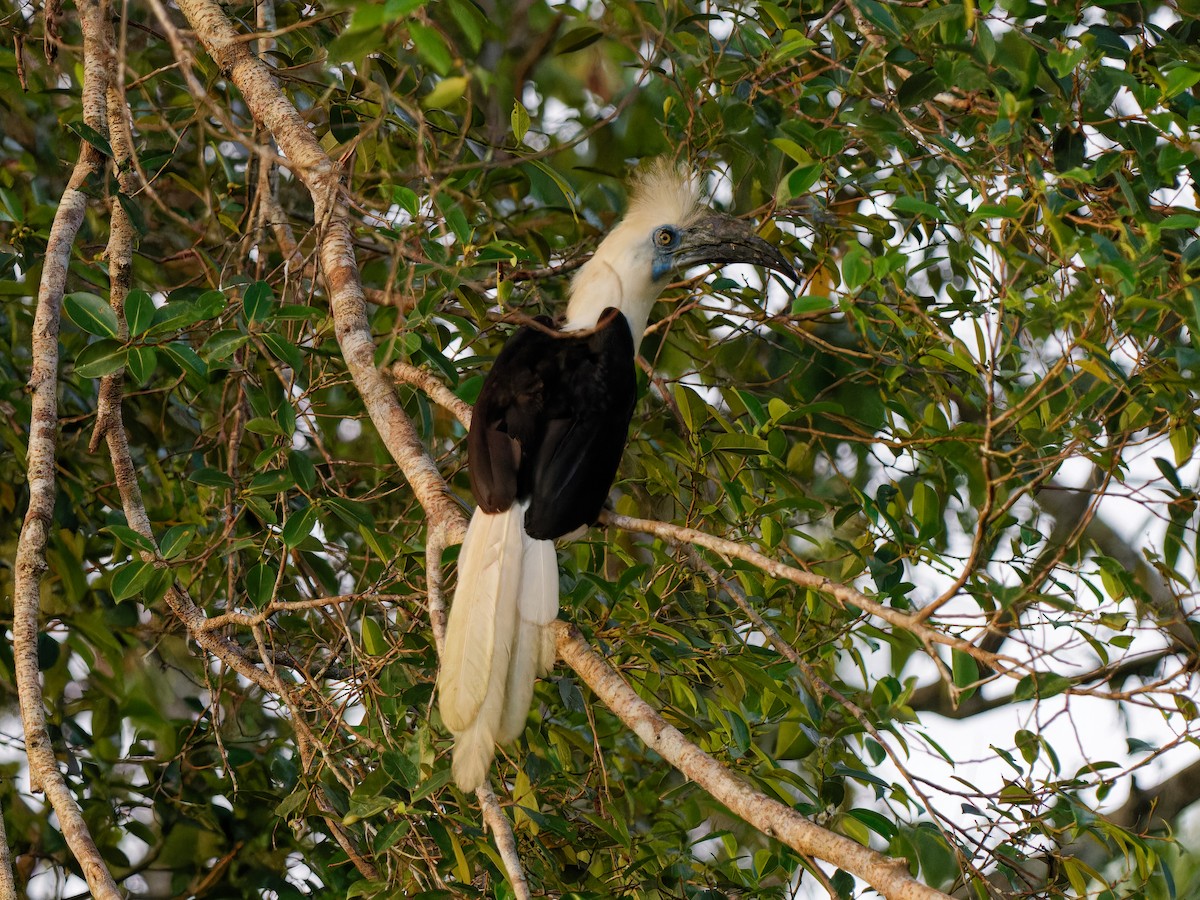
x,y
551,423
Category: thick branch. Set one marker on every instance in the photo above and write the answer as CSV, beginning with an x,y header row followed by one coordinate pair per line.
x,y
269,106
407,373
343,284
888,876
30,562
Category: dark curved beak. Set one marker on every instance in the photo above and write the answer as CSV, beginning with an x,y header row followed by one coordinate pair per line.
x,y
717,238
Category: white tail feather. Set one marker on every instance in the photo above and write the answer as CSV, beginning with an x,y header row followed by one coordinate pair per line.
x,y
537,606
495,638
482,617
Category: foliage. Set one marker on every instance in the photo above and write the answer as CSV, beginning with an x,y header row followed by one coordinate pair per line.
x,y
983,390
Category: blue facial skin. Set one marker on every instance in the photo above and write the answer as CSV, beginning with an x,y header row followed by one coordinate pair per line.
x,y
664,251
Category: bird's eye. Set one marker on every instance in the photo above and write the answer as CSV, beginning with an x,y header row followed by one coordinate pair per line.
x,y
665,236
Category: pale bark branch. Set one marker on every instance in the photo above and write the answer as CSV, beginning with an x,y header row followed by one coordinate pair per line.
x,y
843,594
251,620
339,268
505,840
30,563
887,875
8,885
406,373
343,284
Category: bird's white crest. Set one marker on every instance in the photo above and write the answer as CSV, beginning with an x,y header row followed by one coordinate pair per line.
x,y
620,273
664,193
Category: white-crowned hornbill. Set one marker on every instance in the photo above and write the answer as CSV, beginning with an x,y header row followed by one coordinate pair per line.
x,y
546,437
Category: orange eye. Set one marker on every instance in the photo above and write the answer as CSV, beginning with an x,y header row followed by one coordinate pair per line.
x,y
665,237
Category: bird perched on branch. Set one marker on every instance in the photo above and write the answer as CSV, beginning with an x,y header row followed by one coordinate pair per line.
x,y
546,437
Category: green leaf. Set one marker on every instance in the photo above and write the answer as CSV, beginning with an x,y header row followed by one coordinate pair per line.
x,y
133,211
395,9
100,358
794,150
193,367
1040,685
798,181
962,362
302,470
519,119
1179,79
91,313
966,672
265,426
175,540
139,312
430,47
223,344
270,483
92,136
907,204
927,509
856,267
283,350
406,199
292,803
352,512
795,43
260,584
878,823
257,301
135,540
374,643
210,477
445,92
299,525
130,579
576,39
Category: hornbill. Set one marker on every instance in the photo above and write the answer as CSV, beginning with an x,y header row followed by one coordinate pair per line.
x,y
546,437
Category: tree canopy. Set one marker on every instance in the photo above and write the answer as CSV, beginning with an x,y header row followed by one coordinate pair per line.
x,y
896,591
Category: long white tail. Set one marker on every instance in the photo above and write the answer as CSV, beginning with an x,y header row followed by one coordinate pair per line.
x,y
496,640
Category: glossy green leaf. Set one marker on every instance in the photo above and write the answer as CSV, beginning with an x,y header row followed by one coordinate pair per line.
x,y
100,358
91,313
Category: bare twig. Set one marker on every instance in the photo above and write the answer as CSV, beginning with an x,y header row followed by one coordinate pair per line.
x,y
250,620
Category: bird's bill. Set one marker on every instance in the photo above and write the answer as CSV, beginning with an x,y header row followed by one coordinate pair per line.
x,y
717,238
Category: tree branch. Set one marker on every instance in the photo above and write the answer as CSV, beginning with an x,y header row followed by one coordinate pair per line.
x,y
343,284
30,562
339,268
406,373
887,875
8,886
842,593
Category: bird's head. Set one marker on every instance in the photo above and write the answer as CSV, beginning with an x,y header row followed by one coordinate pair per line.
x,y
713,238
665,231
